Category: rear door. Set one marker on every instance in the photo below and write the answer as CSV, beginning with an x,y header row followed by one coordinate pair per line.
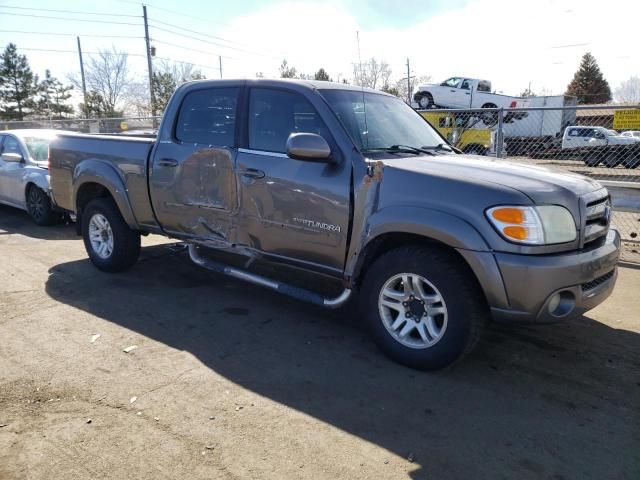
x,y
292,210
192,182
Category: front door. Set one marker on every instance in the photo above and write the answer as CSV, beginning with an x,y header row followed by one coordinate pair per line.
x,y
192,181
291,210
11,185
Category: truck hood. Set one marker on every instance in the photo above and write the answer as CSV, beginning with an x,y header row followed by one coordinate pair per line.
x,y
540,184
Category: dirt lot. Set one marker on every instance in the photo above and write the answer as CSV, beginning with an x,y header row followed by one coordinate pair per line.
x,y
231,381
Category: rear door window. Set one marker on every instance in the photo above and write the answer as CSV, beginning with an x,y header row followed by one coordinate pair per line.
x,y
208,116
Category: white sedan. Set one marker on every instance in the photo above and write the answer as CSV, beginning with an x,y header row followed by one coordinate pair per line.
x,y
24,173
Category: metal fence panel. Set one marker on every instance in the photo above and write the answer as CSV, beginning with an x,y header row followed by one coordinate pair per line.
x,y
601,142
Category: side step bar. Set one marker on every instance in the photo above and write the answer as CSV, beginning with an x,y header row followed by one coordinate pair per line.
x,y
295,292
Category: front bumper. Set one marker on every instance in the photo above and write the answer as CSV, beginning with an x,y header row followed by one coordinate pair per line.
x,y
582,279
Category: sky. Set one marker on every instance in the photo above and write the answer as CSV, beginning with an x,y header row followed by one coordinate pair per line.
x,y
513,43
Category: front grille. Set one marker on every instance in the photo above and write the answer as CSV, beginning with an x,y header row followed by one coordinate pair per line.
x,y
597,215
598,281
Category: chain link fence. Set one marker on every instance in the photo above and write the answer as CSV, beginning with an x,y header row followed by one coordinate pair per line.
x,y
601,142
120,125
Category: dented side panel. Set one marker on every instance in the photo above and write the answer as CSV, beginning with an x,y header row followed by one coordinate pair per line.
x,y
198,197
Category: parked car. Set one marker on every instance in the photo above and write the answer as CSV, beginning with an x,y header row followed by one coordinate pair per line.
x,y
585,136
631,133
322,189
604,144
24,173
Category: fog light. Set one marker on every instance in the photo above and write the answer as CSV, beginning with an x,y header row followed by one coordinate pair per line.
x,y
561,303
554,302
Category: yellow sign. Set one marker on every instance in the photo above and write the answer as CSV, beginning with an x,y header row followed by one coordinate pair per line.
x,y
626,119
124,126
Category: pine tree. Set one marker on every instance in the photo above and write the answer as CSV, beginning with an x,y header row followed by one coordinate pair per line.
x,y
322,75
53,97
163,84
588,84
95,105
18,86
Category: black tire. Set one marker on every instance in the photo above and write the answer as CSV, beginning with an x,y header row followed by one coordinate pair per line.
x,y
425,101
39,207
466,307
126,242
490,119
475,149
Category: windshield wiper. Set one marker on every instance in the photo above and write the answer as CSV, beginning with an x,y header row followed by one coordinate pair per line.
x,y
400,149
440,146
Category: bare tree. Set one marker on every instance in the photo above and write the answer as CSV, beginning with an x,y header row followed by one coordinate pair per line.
x,y
628,91
107,73
401,85
372,73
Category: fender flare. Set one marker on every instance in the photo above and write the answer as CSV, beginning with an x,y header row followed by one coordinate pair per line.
x,y
104,174
448,229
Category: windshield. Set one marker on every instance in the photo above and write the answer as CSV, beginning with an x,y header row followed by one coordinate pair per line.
x,y
613,132
381,121
38,148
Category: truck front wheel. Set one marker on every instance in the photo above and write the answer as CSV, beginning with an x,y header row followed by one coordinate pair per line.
x,y
112,246
422,307
425,101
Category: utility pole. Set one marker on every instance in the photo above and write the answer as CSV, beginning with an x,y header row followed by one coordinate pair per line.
x,y
84,84
220,62
408,83
149,65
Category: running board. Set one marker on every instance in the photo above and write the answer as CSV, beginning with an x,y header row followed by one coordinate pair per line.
x,y
289,290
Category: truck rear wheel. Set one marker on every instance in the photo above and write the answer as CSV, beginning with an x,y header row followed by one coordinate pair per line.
x,y
112,246
422,307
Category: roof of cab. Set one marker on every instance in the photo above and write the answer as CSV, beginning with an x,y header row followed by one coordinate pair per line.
x,y
311,84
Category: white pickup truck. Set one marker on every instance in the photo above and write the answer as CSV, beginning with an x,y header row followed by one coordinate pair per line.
x,y
462,92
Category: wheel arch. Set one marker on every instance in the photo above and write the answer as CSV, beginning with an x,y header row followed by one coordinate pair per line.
x,y
440,231
94,179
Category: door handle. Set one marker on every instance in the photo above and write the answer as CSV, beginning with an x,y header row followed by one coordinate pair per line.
x,y
452,91
253,173
167,162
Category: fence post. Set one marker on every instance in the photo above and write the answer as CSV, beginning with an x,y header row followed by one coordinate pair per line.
x,y
500,133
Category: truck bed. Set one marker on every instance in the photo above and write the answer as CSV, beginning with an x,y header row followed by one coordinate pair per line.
x,y
112,155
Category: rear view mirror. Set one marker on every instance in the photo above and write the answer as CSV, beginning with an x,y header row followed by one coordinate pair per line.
x,y
12,157
310,147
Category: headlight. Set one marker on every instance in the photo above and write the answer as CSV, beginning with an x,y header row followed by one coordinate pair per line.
x,y
543,225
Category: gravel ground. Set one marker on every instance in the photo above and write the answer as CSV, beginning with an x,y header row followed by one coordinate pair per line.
x,y
231,381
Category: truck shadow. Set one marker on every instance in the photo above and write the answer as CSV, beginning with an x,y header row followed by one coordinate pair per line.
x,y
553,402
16,221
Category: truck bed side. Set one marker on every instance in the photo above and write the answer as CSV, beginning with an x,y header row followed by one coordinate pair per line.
x,y
116,166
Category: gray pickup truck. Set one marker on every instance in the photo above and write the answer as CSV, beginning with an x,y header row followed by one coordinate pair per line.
x,y
317,190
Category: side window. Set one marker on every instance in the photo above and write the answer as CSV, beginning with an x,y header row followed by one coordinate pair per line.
x,y
10,145
573,132
275,114
466,85
208,116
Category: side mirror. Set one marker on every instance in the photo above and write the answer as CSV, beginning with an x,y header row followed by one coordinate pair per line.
x,y
12,157
310,147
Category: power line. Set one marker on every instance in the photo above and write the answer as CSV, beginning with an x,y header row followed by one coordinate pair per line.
x,y
199,33
69,34
188,48
71,11
210,42
52,50
71,19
